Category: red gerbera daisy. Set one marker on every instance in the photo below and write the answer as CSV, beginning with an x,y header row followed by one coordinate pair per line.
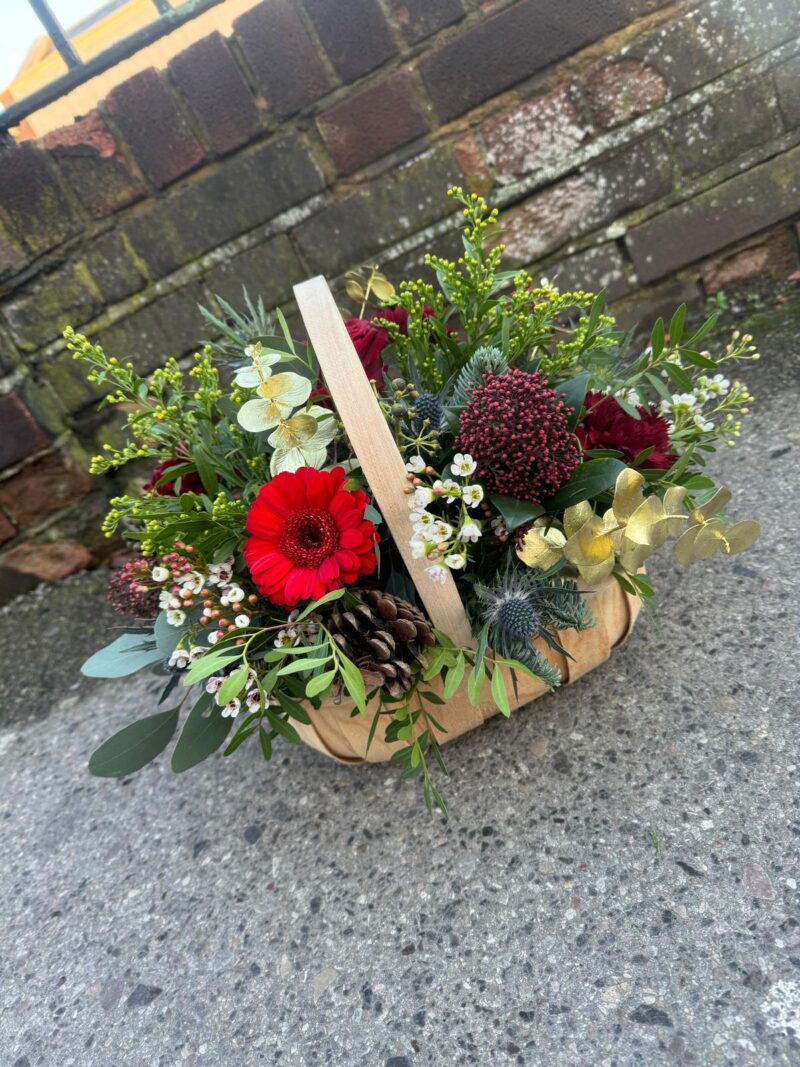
x,y
308,536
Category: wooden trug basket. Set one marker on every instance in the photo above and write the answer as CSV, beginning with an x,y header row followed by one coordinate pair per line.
x,y
333,729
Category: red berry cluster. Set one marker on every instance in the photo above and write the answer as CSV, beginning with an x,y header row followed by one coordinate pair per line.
x,y
515,428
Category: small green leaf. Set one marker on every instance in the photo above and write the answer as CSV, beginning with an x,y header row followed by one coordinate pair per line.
x,y
319,683
209,663
282,727
454,677
134,746
676,325
303,665
475,684
678,376
333,595
232,686
203,732
354,683
292,708
499,692
266,744
657,338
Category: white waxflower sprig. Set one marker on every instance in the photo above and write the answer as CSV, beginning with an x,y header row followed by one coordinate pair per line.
x,y
444,544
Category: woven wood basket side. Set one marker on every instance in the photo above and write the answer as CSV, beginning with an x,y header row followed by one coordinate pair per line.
x,y
336,732
333,730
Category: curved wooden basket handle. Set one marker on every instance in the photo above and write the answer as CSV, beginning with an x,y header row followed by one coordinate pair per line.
x,y
375,448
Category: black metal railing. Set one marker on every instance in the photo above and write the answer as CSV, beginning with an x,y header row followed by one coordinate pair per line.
x,y
168,19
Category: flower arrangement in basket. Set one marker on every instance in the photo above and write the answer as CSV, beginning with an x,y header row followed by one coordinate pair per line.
x,y
374,538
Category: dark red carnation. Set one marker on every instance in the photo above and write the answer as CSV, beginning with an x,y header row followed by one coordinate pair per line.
x,y
515,428
607,425
308,536
190,482
370,338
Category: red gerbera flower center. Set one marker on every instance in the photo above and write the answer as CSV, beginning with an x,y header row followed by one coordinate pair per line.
x,y
309,537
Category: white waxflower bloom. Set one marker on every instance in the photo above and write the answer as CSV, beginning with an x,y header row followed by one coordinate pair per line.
x,y
241,620
179,658
719,385
285,638
416,464
452,489
231,709
437,574
253,700
164,598
702,423
159,574
175,617
455,562
420,547
220,573
192,581
196,652
440,531
683,401
463,465
499,526
214,637
470,531
234,593
421,497
214,684
472,495
422,520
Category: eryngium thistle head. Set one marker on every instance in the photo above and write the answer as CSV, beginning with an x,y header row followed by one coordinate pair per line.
x,y
518,618
515,427
428,406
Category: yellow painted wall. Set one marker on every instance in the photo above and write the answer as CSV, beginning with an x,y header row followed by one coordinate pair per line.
x,y
43,63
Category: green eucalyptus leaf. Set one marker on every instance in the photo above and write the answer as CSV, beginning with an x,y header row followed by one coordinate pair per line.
x,y
134,746
203,732
128,654
167,637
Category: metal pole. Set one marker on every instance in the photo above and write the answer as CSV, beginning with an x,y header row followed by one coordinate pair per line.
x,y
55,32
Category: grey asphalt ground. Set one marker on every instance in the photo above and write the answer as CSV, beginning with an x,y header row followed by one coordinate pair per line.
x,y
617,884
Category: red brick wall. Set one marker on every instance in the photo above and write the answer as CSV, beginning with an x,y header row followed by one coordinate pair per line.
x,y
648,147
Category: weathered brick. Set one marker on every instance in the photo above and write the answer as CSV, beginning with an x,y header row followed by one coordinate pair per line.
x,y
171,326
496,53
114,273
773,256
282,56
44,487
38,211
21,436
7,529
787,82
640,310
39,312
13,256
268,271
597,268
714,38
212,84
620,91
370,123
472,163
89,159
538,134
377,215
223,202
156,132
47,561
622,180
724,127
355,35
418,19
729,212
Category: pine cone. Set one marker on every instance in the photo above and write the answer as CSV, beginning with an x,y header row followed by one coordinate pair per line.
x,y
383,635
